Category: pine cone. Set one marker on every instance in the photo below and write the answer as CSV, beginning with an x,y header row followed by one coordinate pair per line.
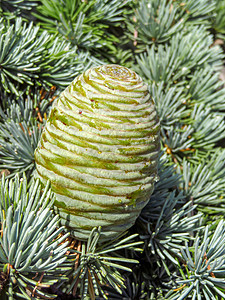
x,y
100,149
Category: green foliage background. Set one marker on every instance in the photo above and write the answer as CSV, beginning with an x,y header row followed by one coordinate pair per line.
x,y
176,249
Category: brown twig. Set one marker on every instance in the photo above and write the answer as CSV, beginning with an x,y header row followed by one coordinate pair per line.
x,y
209,268
39,281
75,267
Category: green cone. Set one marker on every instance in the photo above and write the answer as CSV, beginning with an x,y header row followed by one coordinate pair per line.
x,y
99,149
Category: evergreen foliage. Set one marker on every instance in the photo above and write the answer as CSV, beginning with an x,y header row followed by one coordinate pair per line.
x,y
218,24
28,55
17,7
98,265
176,248
92,26
29,243
203,275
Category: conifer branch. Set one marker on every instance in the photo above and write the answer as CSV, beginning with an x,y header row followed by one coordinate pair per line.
x,y
203,273
96,265
32,252
27,55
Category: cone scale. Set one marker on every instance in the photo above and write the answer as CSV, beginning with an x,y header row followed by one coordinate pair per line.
x,y
99,149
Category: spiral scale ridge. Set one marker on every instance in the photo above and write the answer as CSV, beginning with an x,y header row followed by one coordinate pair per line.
x,y
99,149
